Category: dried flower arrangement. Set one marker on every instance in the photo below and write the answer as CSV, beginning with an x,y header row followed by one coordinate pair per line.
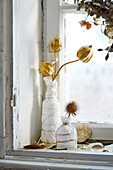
x,y
103,10
71,109
84,54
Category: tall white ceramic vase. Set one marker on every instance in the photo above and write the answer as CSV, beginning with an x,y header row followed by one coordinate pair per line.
x,y
50,112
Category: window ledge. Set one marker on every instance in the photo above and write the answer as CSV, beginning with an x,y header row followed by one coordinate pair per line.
x,y
100,131
44,163
60,159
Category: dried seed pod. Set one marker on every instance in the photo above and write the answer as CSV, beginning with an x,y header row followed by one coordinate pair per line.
x,y
72,108
85,53
46,69
56,44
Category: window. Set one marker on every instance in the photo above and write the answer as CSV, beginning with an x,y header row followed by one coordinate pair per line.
x,y
89,84
84,86
69,2
27,43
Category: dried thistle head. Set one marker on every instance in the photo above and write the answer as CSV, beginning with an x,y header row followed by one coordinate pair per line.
x,y
71,109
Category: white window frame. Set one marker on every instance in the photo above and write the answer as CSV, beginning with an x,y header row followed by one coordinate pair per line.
x,y
41,159
2,133
100,131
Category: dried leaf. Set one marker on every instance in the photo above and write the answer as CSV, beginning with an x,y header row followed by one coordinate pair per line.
x,y
49,146
94,18
61,149
107,48
105,151
107,56
33,146
82,23
88,25
100,49
112,46
79,6
41,145
97,147
96,23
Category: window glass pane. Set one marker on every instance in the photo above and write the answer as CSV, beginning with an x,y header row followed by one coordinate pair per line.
x,y
69,1
78,1
89,84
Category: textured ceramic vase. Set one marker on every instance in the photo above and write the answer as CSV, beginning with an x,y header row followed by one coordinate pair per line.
x,y
50,112
66,135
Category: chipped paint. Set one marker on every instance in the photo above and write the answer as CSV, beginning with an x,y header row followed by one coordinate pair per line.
x,y
7,72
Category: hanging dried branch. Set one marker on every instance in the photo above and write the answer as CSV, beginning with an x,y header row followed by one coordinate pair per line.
x,y
104,15
99,8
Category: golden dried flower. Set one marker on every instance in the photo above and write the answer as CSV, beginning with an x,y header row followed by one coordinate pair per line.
x,y
56,44
72,108
46,69
85,53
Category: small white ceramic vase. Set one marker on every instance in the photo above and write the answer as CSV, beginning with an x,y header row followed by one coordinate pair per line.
x,y
66,135
50,112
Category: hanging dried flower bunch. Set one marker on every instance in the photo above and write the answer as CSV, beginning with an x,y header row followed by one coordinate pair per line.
x,y
71,109
103,9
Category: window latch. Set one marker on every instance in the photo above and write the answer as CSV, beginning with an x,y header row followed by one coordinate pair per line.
x,y
13,101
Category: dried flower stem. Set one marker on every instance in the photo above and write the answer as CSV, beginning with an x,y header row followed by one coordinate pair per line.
x,y
55,61
54,76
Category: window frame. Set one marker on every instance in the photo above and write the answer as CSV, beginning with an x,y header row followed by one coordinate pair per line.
x,y
31,158
6,80
100,131
2,134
